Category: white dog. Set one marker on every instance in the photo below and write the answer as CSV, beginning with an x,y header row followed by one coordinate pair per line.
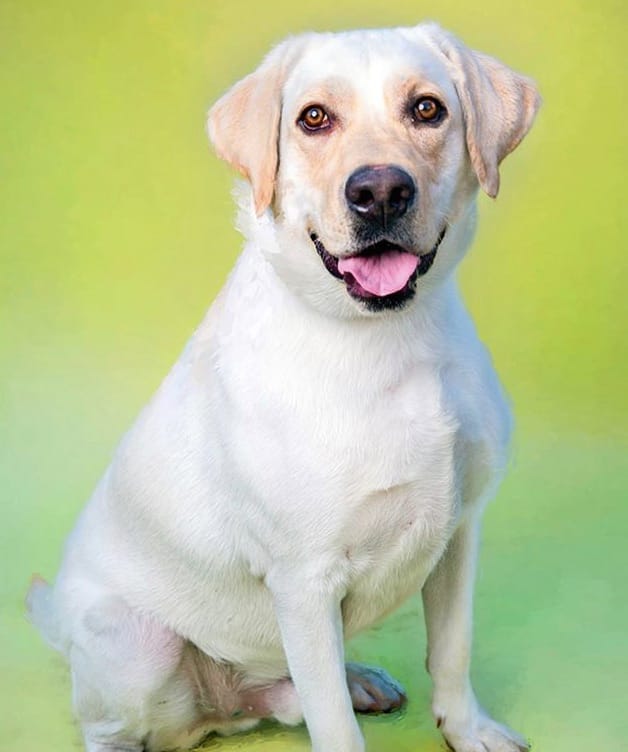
x,y
326,443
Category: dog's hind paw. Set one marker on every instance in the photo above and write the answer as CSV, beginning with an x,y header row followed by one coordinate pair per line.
x,y
373,690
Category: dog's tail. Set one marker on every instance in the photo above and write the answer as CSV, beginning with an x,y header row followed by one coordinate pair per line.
x,y
41,612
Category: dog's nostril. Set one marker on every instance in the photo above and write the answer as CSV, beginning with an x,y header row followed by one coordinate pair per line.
x,y
399,196
365,198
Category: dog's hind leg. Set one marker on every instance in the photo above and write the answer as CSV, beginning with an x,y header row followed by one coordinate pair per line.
x,y
126,683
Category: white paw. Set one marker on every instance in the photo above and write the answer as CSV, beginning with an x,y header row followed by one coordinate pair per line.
x,y
482,734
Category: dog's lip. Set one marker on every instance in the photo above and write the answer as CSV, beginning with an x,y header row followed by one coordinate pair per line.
x,y
331,262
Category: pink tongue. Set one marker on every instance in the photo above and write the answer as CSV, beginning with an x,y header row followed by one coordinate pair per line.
x,y
381,274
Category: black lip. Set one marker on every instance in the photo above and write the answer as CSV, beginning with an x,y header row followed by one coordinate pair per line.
x,y
374,302
330,262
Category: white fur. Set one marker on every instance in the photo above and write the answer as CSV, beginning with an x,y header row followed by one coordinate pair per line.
x,y
302,454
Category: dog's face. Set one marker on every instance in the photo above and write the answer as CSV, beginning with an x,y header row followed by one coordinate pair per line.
x,y
368,148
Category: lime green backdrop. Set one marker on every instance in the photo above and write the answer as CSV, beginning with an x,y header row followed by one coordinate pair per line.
x,y
116,233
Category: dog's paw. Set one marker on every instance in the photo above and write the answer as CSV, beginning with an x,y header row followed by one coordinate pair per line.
x,y
373,690
484,735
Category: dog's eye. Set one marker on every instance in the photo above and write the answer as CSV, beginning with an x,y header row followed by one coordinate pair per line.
x,y
428,110
314,118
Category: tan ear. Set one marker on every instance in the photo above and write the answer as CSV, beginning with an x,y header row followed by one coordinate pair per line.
x,y
244,123
498,106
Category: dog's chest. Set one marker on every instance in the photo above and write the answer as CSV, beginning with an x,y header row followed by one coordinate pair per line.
x,y
366,469
406,502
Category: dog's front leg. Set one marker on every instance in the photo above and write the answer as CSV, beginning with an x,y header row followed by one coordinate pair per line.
x,y
448,604
310,621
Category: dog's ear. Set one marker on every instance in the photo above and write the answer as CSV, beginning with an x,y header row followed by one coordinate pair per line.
x,y
498,105
244,123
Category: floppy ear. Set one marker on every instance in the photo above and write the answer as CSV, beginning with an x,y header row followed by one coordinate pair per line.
x,y
498,105
243,125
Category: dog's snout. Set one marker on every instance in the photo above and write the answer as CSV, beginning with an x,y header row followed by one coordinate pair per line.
x,y
380,192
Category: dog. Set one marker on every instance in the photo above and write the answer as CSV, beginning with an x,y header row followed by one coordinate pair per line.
x,y
327,441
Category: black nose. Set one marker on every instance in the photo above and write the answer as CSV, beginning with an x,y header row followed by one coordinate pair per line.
x,y
380,192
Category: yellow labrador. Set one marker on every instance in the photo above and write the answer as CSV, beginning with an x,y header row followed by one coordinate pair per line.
x,y
326,443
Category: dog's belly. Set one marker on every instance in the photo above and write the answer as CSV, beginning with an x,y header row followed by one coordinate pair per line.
x,y
392,549
228,611
390,540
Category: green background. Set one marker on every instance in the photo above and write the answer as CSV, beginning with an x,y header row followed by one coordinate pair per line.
x,y
116,233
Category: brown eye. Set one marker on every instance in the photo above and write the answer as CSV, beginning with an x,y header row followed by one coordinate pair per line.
x,y
428,110
314,118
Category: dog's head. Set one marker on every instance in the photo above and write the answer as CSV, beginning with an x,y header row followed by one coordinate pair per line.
x,y
365,150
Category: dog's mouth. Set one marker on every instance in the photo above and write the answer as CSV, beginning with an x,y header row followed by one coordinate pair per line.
x,y
382,274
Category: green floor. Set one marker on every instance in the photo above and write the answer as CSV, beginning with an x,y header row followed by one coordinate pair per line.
x,y
116,232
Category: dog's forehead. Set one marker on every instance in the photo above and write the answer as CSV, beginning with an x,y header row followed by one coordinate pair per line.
x,y
368,62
